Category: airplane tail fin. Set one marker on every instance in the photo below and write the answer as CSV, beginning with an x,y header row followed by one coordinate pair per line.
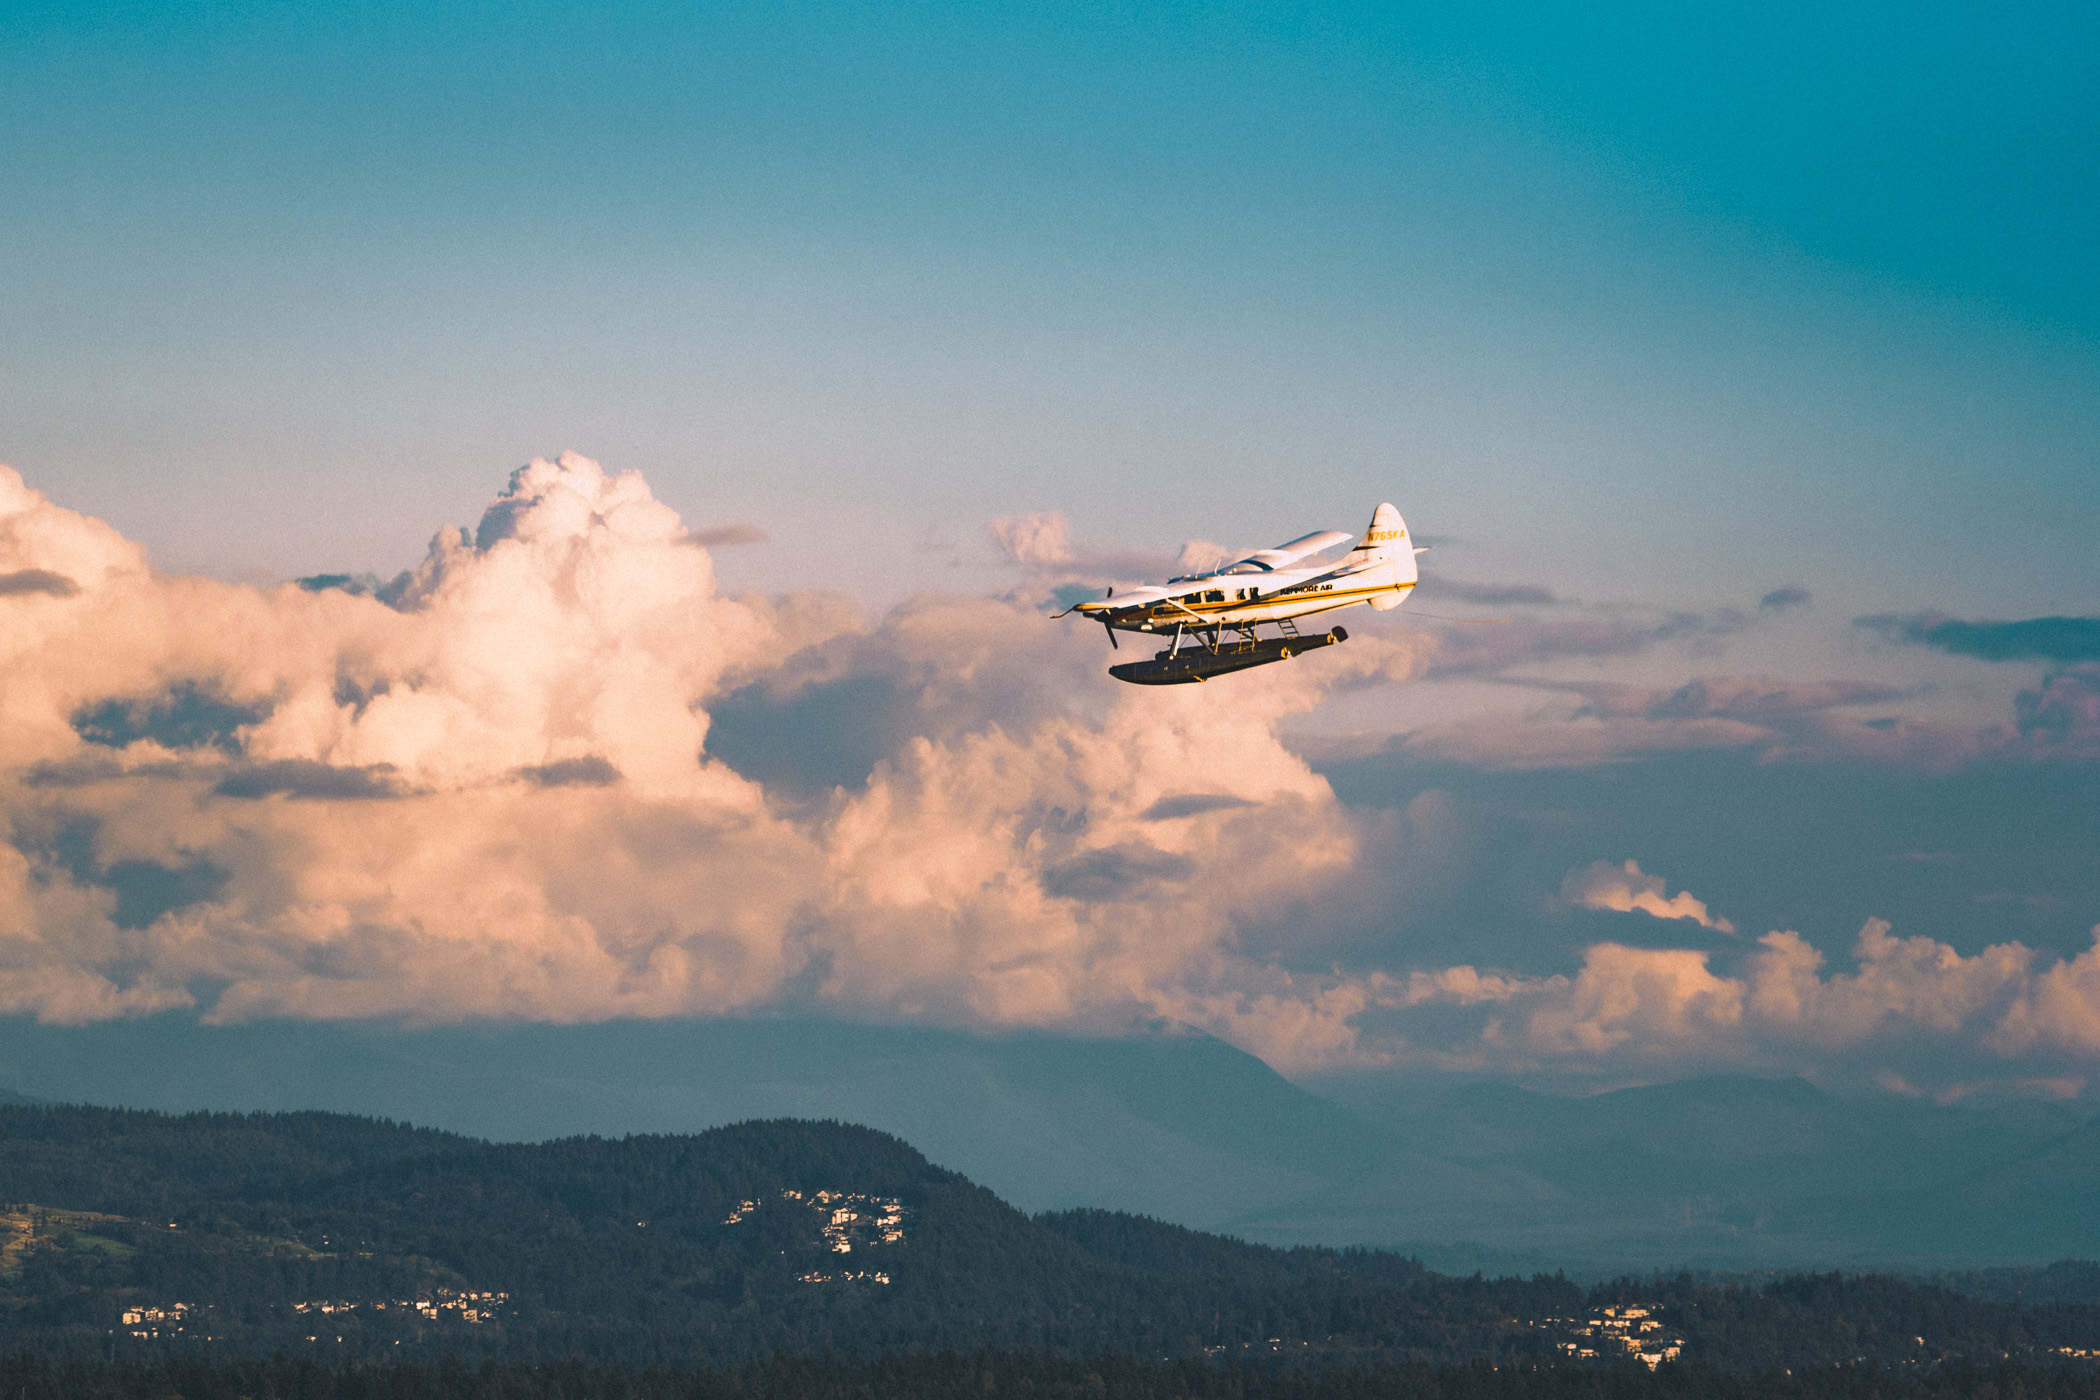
x,y
1387,542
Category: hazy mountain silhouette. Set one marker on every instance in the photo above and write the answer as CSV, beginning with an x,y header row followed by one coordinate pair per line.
x,y
139,1236
1724,1172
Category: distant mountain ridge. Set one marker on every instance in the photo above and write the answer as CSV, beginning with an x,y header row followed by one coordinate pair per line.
x,y
255,1231
1722,1173
137,1234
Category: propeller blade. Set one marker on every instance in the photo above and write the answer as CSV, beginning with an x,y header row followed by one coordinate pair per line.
x,y
1113,644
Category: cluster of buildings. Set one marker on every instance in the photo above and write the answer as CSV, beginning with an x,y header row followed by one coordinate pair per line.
x,y
151,1322
147,1322
476,1308
1628,1330
862,1276
850,1218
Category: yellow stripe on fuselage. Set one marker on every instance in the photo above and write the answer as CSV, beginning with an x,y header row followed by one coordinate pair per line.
x,y
1263,609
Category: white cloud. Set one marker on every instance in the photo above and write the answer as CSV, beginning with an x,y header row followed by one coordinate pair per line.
x,y
1034,539
492,796
1639,1012
1602,885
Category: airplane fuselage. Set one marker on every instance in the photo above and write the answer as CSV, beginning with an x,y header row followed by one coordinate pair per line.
x,y
1242,597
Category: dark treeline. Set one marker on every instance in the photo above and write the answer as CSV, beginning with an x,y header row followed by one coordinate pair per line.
x,y
1038,1376
711,1250
623,1251
1827,1319
2065,1281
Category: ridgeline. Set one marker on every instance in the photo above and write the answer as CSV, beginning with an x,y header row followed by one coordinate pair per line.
x,y
320,1239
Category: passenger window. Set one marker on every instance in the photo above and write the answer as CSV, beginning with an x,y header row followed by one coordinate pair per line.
x,y
1215,596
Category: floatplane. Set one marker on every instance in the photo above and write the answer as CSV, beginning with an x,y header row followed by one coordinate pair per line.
x,y
1212,619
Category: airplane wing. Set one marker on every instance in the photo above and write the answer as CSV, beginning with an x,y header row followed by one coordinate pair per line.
x,y
1265,560
1136,597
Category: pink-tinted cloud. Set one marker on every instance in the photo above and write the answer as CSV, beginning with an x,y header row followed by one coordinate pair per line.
x,y
1034,540
2060,717
1042,546
1494,648
1564,740
1641,1011
1625,889
727,536
503,786
1586,723
1748,698
490,792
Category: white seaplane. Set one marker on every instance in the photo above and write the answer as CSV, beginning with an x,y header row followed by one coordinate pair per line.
x,y
1199,610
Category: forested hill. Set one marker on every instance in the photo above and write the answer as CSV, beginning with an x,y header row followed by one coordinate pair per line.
x,y
134,1234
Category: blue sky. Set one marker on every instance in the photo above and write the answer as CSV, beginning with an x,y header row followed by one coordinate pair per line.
x,y
1661,302
1744,358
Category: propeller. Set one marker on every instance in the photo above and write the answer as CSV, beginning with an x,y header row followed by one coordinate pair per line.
x,y
1106,625
1075,607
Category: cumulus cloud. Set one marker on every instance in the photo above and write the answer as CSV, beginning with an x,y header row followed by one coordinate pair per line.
x,y
1626,890
492,788
1633,1011
554,772
1034,539
1041,545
